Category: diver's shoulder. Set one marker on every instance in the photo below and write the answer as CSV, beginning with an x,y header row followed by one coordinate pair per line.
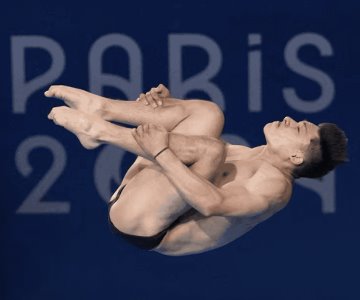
x,y
273,183
237,152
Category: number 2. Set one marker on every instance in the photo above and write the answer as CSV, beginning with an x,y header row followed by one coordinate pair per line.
x,y
33,203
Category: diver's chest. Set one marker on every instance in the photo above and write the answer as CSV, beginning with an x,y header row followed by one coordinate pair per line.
x,y
239,170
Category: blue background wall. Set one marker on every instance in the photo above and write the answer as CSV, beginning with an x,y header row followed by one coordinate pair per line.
x,y
60,247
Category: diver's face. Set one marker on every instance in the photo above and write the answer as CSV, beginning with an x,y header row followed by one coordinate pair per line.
x,y
290,134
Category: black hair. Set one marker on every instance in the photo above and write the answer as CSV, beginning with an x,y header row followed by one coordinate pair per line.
x,y
325,153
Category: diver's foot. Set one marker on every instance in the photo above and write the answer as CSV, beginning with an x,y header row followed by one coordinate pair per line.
x,y
78,99
87,128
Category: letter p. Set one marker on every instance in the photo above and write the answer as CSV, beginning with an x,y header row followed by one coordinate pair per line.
x,y
22,89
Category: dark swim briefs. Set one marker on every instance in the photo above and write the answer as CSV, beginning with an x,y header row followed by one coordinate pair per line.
x,y
143,242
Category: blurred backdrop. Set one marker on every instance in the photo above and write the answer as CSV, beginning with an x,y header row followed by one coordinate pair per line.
x,y
259,60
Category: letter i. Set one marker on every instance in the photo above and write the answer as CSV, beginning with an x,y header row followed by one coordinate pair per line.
x,y
254,73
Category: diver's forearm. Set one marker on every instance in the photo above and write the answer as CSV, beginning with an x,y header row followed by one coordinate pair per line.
x,y
198,192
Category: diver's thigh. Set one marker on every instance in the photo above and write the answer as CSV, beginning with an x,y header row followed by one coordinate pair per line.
x,y
148,204
139,164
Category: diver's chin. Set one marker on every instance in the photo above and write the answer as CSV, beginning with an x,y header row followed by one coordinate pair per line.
x,y
268,125
266,129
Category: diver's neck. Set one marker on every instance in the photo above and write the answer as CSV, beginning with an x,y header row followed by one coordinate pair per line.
x,y
284,165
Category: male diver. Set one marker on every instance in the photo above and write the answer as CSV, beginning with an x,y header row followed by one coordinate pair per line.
x,y
189,192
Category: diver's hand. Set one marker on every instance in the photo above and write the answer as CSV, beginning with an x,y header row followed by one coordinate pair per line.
x,y
155,97
151,138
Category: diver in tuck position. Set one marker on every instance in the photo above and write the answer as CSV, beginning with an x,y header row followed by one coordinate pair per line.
x,y
189,192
